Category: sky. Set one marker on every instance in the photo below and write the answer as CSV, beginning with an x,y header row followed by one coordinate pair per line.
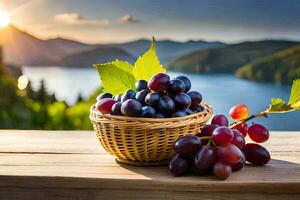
x,y
105,21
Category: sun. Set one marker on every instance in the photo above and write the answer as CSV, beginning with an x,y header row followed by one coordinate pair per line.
x,y
4,19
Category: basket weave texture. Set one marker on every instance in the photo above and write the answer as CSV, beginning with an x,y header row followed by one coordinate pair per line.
x,y
145,141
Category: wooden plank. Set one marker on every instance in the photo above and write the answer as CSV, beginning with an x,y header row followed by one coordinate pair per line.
x,y
72,165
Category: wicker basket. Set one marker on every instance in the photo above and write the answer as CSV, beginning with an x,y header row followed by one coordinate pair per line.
x,y
144,141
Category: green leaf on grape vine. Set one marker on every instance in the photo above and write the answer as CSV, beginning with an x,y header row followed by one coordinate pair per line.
x,y
294,101
116,76
119,76
148,64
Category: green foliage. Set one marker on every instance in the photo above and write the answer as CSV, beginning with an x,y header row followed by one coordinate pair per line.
x,y
229,58
119,76
279,106
282,67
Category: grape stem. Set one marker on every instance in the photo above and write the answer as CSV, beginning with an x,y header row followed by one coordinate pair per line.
x,y
262,114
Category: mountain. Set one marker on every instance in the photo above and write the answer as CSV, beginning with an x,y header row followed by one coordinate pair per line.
x,y
70,46
229,58
281,67
97,55
167,50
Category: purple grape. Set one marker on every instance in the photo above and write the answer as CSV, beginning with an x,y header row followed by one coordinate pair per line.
x,y
186,82
160,115
179,113
182,101
197,109
208,130
166,105
131,108
238,139
179,165
159,82
152,99
256,154
130,94
148,111
176,86
187,145
189,111
104,96
118,97
141,95
116,109
141,85
196,98
205,159
220,120
239,165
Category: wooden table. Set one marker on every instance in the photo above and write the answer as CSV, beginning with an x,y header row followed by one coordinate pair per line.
x,y
72,165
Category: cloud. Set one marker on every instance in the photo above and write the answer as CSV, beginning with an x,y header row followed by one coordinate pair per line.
x,y
77,19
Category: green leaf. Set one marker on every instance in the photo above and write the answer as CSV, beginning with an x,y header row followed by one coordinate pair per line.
x,y
116,76
148,64
294,101
279,106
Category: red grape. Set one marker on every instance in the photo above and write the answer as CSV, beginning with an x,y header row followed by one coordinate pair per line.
x,y
239,112
131,108
141,85
238,139
222,171
196,97
220,120
229,154
105,105
256,154
179,165
222,135
187,145
243,128
239,165
258,133
204,159
186,81
207,130
159,82
103,96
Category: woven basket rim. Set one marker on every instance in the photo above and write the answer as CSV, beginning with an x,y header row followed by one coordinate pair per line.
x,y
207,108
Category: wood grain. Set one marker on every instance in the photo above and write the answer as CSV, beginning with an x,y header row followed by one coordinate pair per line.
x,y
72,165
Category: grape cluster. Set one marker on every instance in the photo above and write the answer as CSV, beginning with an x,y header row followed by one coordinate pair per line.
x,y
158,98
219,148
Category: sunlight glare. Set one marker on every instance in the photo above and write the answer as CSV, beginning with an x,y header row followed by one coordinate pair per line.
x,y
4,19
22,82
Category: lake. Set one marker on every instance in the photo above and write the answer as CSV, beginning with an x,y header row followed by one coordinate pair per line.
x,y
221,91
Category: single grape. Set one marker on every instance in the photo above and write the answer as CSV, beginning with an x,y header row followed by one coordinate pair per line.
x,y
141,85
205,159
116,109
118,97
131,108
197,109
239,112
130,94
256,154
220,120
186,82
243,128
148,111
189,111
182,101
258,133
222,171
159,115
105,105
208,130
187,145
239,165
159,82
179,113
176,86
179,165
196,98
229,154
103,96
166,105
222,135
152,99
141,95
238,139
